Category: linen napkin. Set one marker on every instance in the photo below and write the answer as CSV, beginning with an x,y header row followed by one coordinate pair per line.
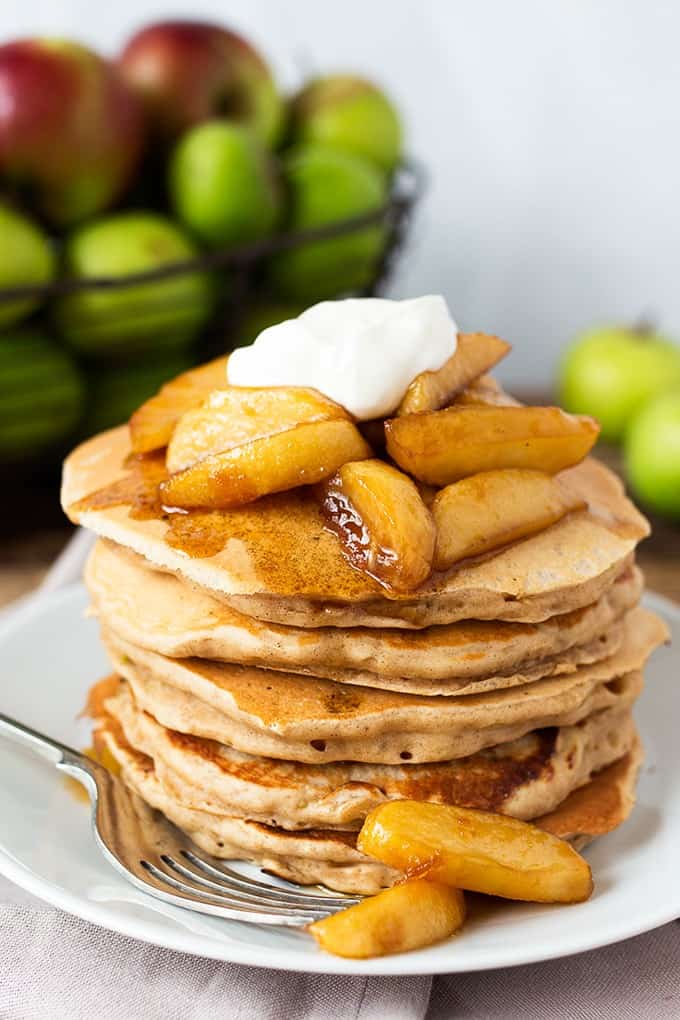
x,y
57,967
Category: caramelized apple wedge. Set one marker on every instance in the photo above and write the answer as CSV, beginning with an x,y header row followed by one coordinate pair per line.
x,y
490,509
152,425
382,522
235,415
414,914
442,446
476,850
475,353
302,455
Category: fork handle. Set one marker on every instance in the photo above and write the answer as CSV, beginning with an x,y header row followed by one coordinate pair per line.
x,y
54,751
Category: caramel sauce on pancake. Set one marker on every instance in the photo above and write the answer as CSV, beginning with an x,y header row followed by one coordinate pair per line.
x,y
99,751
282,535
98,695
138,489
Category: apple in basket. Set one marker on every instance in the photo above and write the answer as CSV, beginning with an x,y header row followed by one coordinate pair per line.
x,y
70,128
188,71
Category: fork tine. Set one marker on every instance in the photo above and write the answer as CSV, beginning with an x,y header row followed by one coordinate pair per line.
x,y
238,881
245,910
252,898
264,895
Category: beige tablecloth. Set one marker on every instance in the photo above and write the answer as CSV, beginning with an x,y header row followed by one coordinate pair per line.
x,y
56,967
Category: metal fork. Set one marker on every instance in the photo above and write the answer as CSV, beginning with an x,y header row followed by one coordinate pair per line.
x,y
155,856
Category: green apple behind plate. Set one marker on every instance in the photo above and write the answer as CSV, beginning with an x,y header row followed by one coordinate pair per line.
x,y
326,186
115,391
348,113
222,184
41,394
26,257
652,453
153,317
611,372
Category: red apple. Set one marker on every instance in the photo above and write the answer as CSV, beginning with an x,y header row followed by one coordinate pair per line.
x,y
70,128
188,71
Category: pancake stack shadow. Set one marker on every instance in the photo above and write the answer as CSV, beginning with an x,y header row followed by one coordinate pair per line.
x,y
267,718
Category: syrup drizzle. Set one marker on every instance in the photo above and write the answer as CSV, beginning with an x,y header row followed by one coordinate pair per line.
x,y
195,532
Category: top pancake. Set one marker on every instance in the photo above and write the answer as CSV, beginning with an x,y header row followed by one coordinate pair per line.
x,y
273,559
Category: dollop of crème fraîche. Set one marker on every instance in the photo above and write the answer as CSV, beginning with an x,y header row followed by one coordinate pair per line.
x,y
361,352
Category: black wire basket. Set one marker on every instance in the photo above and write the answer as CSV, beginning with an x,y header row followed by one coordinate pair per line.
x,y
113,384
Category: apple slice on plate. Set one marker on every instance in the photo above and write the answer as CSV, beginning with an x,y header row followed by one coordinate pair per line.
x,y
477,850
408,916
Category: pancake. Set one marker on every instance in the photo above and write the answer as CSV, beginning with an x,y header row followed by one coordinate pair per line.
x,y
284,715
330,857
524,778
275,560
601,805
160,612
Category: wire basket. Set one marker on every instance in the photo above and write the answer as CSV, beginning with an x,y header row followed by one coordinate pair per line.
x,y
115,384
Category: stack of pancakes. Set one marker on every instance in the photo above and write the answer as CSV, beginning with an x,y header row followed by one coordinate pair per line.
x,y
267,695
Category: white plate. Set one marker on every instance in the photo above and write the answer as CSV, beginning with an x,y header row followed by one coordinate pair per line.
x,y
49,657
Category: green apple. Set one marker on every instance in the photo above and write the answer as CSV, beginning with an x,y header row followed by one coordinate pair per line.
x,y
160,315
41,394
652,453
349,113
260,317
326,186
611,372
222,184
113,394
26,257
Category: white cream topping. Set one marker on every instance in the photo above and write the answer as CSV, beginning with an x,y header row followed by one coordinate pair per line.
x,y
361,352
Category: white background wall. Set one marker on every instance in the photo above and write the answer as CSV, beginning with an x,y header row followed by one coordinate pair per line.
x,y
551,129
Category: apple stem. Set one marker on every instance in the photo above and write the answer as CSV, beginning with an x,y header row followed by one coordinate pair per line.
x,y
645,326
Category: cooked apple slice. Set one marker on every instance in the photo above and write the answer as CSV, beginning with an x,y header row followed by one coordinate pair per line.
x,y
301,455
151,426
475,353
382,522
414,914
443,446
476,850
235,415
488,510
